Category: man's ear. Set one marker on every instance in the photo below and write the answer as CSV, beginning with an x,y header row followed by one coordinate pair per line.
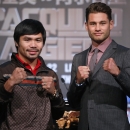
x,y
16,44
111,24
86,26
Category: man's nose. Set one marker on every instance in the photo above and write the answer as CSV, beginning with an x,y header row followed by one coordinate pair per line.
x,y
97,27
33,43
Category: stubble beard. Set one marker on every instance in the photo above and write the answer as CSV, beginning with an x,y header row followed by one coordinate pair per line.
x,y
99,40
32,57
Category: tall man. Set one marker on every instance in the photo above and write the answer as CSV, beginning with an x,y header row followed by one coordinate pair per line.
x,y
30,97
100,91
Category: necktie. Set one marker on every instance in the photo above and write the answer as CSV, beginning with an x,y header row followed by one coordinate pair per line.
x,y
93,60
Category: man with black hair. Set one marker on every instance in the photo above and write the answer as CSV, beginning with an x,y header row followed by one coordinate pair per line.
x,y
100,76
30,96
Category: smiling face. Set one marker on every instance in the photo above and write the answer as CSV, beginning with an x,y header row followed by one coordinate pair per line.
x,y
98,27
30,47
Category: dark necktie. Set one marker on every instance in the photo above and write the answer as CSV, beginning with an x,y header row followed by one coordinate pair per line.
x,y
93,60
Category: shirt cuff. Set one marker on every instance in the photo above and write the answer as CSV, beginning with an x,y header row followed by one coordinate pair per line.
x,y
78,85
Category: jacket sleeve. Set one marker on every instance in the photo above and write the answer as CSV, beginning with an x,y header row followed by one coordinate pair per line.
x,y
75,92
124,77
57,104
5,97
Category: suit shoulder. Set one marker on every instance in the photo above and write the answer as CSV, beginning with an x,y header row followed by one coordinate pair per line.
x,y
81,53
123,48
120,47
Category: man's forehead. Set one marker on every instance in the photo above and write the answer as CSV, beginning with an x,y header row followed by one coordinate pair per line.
x,y
32,36
98,16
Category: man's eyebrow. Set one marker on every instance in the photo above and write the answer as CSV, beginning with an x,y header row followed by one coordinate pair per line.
x,y
27,37
103,21
97,22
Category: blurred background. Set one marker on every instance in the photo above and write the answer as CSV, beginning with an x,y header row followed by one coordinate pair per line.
x,y
66,34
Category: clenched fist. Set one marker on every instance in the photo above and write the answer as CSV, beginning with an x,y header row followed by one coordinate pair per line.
x,y
16,77
48,84
82,73
110,66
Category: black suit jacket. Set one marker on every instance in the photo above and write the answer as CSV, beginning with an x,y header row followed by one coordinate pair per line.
x,y
102,99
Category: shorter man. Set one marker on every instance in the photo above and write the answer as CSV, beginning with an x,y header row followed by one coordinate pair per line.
x,y
30,96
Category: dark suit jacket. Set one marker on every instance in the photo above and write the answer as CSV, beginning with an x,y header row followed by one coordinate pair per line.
x,y
102,98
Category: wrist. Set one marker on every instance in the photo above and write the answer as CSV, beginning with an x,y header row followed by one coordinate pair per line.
x,y
79,84
117,72
9,85
78,81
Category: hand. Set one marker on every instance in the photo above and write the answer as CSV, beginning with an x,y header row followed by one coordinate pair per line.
x,y
82,73
16,77
110,66
48,84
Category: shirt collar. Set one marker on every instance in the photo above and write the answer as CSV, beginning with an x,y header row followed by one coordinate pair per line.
x,y
26,64
102,47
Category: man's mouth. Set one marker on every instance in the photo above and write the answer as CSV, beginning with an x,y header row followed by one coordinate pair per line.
x,y
33,52
98,34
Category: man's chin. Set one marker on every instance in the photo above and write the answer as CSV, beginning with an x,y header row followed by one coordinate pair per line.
x,y
32,57
98,41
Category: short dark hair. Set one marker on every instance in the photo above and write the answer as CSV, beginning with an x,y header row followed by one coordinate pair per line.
x,y
99,7
29,27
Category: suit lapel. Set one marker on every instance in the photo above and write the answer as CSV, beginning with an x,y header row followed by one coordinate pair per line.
x,y
83,60
107,54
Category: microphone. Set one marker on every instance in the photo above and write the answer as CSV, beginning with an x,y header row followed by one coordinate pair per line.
x,y
63,81
65,99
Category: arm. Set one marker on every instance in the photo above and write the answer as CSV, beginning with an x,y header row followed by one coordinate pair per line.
x,y
123,78
122,74
57,101
7,84
78,75
5,96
